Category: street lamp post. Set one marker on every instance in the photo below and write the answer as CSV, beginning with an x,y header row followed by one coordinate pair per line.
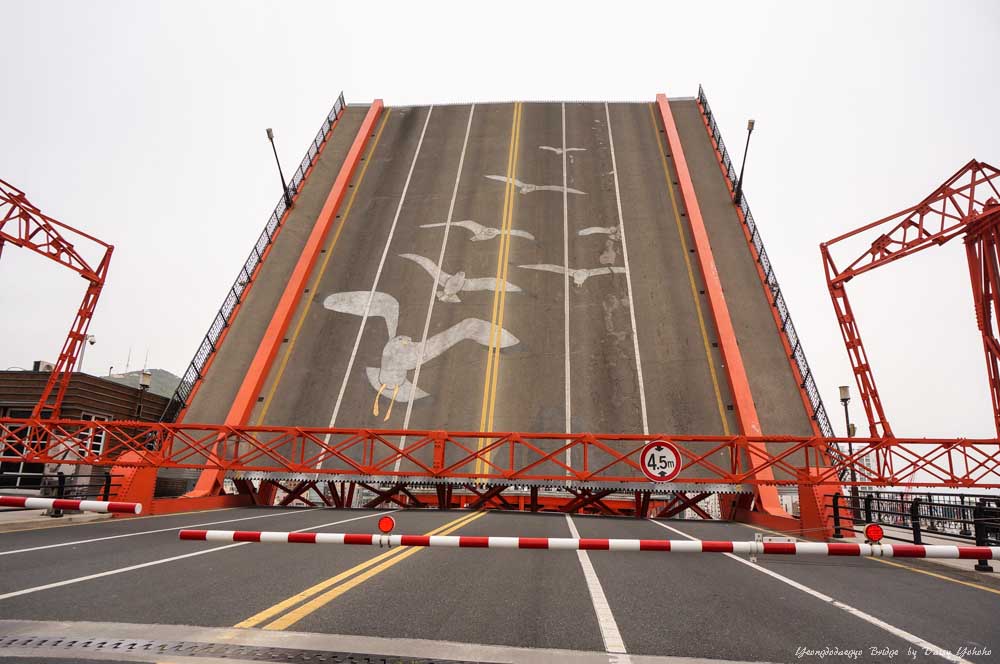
x,y
284,187
145,379
845,398
738,194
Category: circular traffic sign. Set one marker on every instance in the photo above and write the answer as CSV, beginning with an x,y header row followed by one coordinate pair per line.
x,y
660,461
386,524
874,533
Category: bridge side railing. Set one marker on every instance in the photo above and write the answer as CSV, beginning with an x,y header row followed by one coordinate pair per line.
x,y
210,343
770,279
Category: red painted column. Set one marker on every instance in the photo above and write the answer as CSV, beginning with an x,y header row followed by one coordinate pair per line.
x,y
739,384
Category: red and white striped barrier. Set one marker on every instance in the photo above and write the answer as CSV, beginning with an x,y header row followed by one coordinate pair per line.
x,y
63,504
572,544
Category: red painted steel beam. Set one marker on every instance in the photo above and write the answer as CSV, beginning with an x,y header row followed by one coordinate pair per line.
x,y
593,544
739,384
260,366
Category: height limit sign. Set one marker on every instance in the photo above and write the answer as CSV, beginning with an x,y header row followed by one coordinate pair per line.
x,y
660,461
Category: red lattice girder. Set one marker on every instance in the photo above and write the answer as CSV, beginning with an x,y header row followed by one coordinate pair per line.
x,y
968,204
24,225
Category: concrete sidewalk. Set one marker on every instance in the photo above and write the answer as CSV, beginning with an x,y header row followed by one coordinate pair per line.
x,y
15,519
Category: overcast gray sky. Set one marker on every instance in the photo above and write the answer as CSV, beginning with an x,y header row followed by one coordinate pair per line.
x,y
143,124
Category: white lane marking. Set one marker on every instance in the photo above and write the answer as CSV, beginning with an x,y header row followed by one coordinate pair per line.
x,y
867,617
148,532
437,278
378,275
569,412
613,642
161,561
628,276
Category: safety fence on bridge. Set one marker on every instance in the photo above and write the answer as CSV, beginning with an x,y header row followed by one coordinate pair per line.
x,y
230,305
718,463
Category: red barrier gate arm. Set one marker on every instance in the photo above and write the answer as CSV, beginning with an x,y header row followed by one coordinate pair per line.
x,y
596,544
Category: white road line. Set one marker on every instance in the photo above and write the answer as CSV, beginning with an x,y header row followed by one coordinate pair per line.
x,y
151,532
161,561
628,277
569,411
613,642
434,284
867,617
378,275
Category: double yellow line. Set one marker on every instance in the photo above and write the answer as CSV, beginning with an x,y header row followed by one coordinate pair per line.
x,y
500,292
325,592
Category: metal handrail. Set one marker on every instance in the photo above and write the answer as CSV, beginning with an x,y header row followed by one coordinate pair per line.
x,y
787,327
223,318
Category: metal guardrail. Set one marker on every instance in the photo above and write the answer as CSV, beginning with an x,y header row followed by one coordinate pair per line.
x,y
207,348
787,327
961,517
60,485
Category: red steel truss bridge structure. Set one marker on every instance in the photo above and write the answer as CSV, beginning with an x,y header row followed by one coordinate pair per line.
x,y
966,206
24,225
242,464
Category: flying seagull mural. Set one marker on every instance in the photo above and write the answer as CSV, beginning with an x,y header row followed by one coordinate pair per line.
x,y
613,232
526,188
579,275
480,232
559,151
451,284
401,354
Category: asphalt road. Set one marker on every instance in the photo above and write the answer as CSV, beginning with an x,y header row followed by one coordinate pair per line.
x,y
708,606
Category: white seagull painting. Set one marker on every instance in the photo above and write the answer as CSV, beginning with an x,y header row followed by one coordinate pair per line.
x,y
451,284
579,275
526,188
401,354
480,232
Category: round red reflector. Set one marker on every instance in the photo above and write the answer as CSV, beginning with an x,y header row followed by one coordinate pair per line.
x,y
386,524
874,533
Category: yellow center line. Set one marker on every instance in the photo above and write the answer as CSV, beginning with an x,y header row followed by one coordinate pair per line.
x,y
493,359
319,275
288,603
501,283
690,272
313,605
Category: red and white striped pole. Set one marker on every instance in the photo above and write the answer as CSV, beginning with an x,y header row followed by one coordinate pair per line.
x,y
63,504
573,544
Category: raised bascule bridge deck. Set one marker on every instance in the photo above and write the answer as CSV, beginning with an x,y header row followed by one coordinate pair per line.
x,y
513,267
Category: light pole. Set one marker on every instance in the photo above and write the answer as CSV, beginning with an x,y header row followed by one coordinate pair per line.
x,y
738,194
845,398
145,378
284,187
89,340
